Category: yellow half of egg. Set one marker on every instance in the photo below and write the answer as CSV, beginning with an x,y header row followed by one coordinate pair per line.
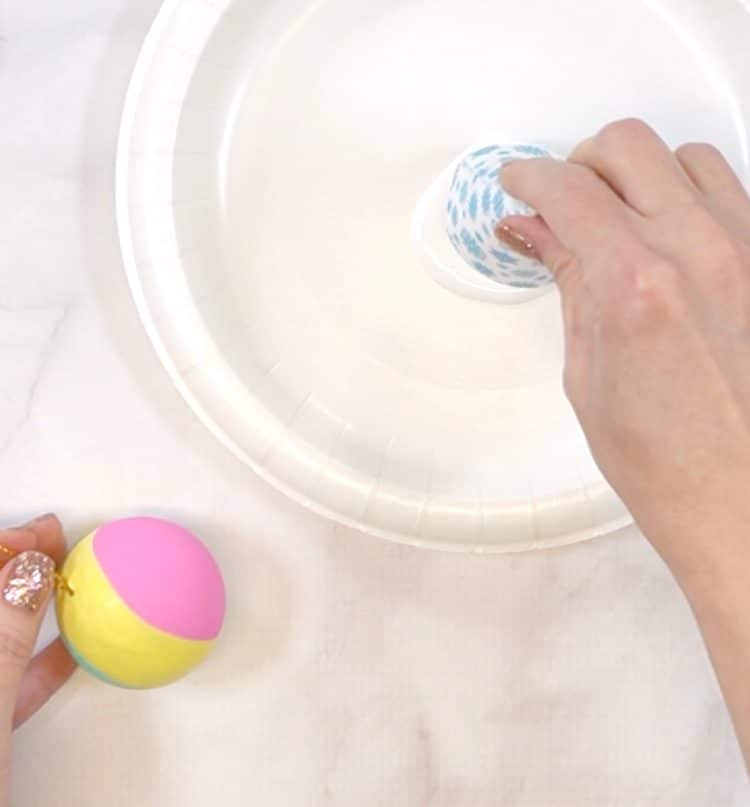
x,y
108,639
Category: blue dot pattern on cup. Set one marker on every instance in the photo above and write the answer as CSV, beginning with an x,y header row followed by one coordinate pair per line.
x,y
476,202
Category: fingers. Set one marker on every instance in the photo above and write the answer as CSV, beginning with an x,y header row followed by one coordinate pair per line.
x,y
531,236
638,165
709,170
26,585
581,210
46,673
27,582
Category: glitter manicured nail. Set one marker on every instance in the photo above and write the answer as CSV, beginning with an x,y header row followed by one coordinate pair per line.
x,y
514,239
31,578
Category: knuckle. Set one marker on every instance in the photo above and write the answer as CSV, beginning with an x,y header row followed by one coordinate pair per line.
x,y
582,151
574,181
709,241
15,649
729,263
565,267
647,291
696,224
729,251
698,152
648,285
512,175
624,131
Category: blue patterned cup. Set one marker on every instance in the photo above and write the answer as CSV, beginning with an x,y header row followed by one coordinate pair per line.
x,y
453,228
476,202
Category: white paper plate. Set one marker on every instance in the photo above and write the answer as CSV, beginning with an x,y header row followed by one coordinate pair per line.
x,y
271,156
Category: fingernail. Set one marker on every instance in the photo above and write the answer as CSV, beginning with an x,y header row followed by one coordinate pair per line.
x,y
514,239
42,519
35,522
30,579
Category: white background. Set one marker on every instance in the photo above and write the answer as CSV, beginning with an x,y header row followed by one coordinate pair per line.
x,y
351,672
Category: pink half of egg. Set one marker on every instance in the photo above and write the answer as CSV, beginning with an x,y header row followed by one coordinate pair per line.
x,y
164,574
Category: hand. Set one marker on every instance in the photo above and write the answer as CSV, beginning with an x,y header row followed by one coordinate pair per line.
x,y
27,584
651,252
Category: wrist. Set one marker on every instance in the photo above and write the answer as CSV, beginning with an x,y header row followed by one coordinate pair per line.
x,y
708,556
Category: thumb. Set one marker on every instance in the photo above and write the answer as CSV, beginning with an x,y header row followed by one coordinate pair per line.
x,y
26,582
531,236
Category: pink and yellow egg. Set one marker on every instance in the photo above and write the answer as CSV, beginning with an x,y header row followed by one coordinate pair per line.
x,y
144,605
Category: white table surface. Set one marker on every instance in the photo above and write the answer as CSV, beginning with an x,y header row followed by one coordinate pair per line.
x,y
351,673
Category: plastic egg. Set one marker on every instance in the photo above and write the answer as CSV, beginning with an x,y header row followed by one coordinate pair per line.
x,y
144,602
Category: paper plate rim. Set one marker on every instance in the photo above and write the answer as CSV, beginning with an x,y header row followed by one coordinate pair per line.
x,y
145,313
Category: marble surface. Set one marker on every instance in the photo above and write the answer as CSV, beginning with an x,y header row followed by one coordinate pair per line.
x,y
352,672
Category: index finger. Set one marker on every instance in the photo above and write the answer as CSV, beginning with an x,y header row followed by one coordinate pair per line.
x,y
581,210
